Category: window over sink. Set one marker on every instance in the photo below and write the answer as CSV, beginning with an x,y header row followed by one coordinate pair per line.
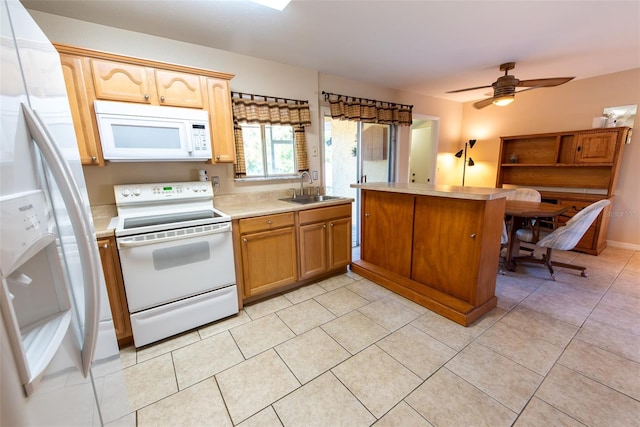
x,y
269,150
269,136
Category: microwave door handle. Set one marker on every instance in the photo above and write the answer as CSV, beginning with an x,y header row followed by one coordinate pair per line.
x,y
87,249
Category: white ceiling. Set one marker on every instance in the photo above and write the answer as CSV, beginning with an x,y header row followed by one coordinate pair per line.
x,y
423,46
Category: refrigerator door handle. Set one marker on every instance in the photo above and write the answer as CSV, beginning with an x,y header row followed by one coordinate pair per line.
x,y
87,248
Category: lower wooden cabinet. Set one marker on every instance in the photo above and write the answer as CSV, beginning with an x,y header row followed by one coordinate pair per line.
x,y
268,251
115,289
438,251
276,252
325,240
387,230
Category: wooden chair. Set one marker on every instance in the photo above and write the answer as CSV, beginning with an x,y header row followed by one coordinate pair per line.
x,y
567,237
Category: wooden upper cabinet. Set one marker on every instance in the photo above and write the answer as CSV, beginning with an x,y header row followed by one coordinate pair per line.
x,y
221,120
81,111
178,89
91,75
595,147
117,81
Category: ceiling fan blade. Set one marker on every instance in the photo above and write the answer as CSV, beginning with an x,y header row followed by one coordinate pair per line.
x,y
554,81
469,88
483,103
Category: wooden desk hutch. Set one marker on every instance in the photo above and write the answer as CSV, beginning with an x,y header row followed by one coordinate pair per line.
x,y
571,168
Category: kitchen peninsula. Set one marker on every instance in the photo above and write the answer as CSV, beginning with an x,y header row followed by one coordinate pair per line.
x,y
439,245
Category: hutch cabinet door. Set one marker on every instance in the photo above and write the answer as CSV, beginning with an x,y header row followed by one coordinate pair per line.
x,y
596,147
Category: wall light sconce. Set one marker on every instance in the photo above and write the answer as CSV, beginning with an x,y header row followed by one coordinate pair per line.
x,y
459,154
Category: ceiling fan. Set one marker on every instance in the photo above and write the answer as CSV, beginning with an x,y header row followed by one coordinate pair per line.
x,y
504,89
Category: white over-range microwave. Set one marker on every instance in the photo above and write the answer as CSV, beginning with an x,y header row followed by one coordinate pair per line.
x,y
148,133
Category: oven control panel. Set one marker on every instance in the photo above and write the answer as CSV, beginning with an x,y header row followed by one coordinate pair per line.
x,y
149,193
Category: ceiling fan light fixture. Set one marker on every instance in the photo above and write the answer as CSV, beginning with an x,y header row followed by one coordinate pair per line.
x,y
459,153
471,162
503,100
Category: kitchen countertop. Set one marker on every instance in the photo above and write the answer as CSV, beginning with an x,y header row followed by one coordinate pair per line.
x,y
451,191
238,206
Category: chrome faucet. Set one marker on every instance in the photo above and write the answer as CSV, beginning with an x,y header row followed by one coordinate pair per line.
x,y
302,181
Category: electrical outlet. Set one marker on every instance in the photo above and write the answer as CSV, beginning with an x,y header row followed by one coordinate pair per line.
x,y
314,151
315,175
215,180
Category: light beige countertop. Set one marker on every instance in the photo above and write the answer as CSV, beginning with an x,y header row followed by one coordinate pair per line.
x,y
451,191
102,215
246,205
238,206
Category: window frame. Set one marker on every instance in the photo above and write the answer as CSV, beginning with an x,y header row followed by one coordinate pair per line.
x,y
266,159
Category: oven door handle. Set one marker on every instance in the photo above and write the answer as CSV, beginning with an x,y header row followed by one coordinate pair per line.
x,y
127,242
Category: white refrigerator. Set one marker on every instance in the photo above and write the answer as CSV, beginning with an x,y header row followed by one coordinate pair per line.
x,y
58,350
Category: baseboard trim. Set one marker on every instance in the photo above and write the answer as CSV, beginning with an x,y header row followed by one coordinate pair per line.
x,y
623,245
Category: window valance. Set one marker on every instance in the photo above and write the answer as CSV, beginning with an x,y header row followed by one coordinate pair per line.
x,y
252,108
346,107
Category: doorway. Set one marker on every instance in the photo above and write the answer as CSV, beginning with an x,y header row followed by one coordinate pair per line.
x,y
355,152
424,150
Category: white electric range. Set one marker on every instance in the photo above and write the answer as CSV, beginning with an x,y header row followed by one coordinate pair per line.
x,y
176,254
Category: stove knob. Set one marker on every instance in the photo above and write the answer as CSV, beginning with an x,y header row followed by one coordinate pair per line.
x,y
137,192
203,187
126,192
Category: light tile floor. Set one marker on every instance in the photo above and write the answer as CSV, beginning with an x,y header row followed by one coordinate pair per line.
x,y
346,351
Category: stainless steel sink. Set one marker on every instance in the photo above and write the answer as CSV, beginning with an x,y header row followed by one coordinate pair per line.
x,y
303,200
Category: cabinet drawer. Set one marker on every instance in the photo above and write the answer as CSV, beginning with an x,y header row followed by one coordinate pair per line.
x,y
267,222
322,214
574,206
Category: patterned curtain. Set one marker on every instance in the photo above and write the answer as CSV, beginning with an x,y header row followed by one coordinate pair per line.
x,y
248,108
368,110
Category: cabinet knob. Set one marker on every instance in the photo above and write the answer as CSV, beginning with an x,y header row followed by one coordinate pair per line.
x,y
473,235
94,159
367,215
105,246
218,157
331,224
325,225
146,96
269,222
244,240
162,98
